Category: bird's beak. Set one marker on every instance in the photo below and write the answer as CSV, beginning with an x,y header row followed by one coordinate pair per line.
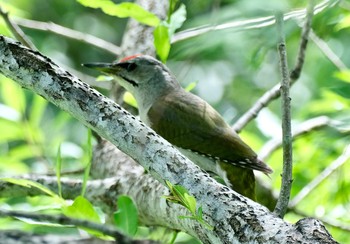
x,y
103,67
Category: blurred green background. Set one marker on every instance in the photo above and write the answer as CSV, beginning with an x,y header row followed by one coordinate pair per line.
x,y
232,68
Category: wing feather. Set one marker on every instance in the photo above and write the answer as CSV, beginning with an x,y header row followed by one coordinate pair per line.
x,y
195,125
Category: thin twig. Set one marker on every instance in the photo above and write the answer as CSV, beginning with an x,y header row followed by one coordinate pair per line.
x,y
17,32
63,220
303,128
342,159
70,33
282,202
274,92
295,74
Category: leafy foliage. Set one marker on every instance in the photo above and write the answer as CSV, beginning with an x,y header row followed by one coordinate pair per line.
x,y
123,10
126,218
180,195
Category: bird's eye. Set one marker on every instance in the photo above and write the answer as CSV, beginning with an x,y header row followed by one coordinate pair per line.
x,y
128,66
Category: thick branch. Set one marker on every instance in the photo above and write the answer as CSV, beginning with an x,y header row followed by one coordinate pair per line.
x,y
235,218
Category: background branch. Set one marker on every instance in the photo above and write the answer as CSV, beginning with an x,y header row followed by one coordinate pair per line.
x,y
63,220
17,32
69,33
248,24
302,129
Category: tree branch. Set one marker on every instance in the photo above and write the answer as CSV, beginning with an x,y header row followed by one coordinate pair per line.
x,y
235,219
282,202
20,237
17,32
63,220
302,129
69,33
239,25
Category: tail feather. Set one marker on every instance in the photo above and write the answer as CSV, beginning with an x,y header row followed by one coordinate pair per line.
x,y
241,180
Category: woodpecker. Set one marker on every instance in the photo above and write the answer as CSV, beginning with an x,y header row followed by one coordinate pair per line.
x,y
186,121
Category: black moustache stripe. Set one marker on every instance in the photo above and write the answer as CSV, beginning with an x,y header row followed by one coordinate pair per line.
x,y
130,81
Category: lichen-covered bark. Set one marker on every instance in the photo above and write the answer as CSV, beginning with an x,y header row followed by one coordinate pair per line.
x,y
235,219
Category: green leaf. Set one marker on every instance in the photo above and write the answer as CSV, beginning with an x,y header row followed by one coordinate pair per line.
x,y
29,184
341,88
162,41
104,78
343,75
123,10
13,95
343,23
130,99
177,19
81,209
37,110
191,86
126,218
190,202
200,212
181,196
10,130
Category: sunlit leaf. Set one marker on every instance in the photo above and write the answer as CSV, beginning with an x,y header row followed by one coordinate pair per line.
x,y
104,78
343,75
12,166
191,86
13,95
343,23
190,202
37,110
10,130
81,209
130,99
123,10
162,41
29,184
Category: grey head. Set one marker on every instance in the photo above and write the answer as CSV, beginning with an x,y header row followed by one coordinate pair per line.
x,y
142,75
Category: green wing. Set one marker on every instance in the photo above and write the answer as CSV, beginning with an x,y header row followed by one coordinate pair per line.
x,y
195,125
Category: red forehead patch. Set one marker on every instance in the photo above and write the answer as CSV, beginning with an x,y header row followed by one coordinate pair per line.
x,y
129,58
